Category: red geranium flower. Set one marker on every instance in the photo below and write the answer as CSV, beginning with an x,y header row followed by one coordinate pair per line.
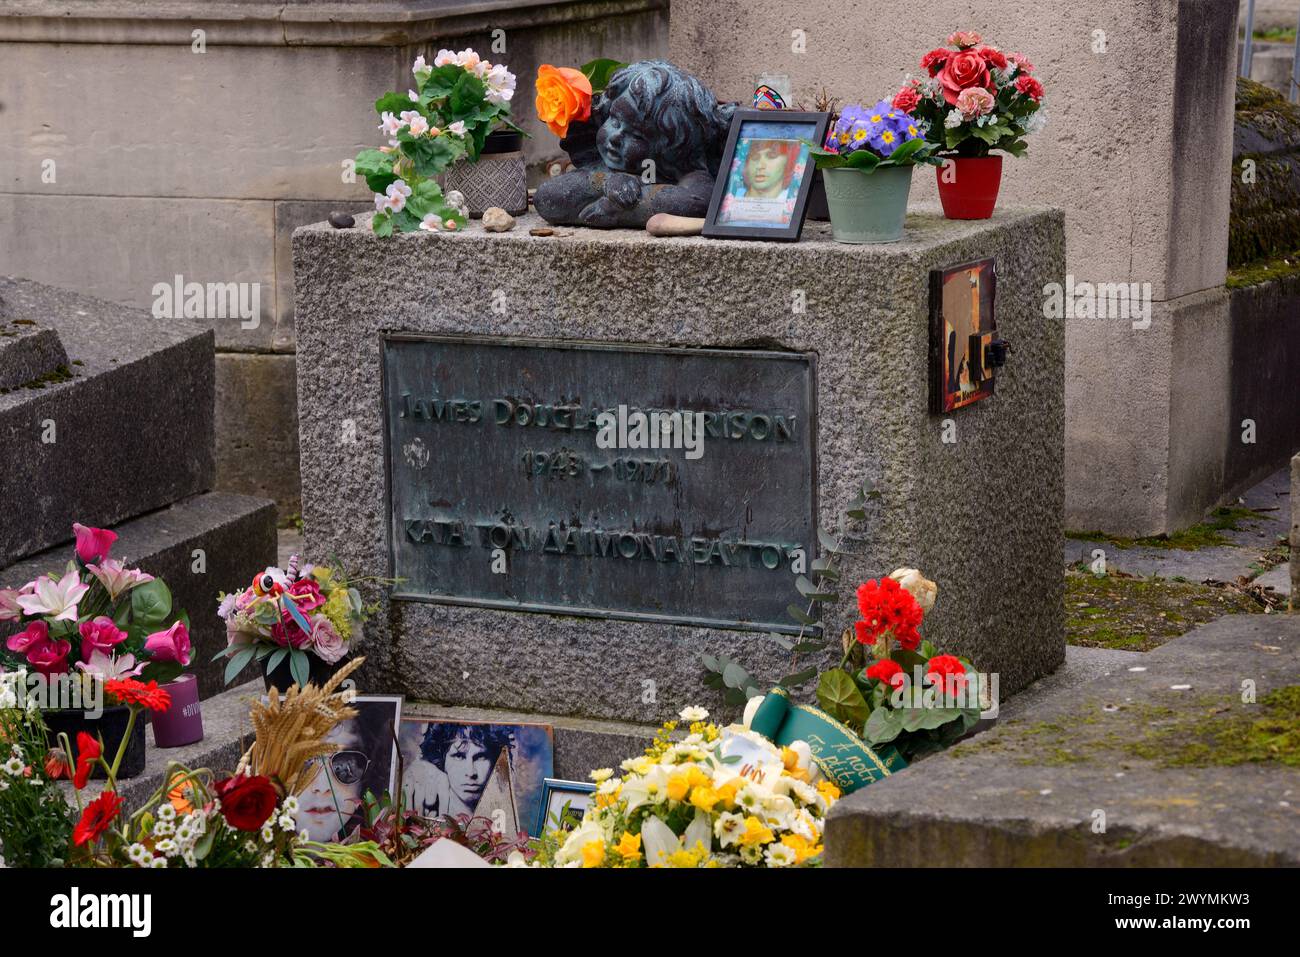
x,y
95,819
1030,87
88,752
131,692
888,610
906,99
933,61
951,672
247,802
886,670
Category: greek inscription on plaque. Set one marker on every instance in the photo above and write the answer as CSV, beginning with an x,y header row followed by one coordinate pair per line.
x,y
670,485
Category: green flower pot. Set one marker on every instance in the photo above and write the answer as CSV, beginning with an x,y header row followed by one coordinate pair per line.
x,y
867,207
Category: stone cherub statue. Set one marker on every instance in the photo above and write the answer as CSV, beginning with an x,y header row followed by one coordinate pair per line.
x,y
649,111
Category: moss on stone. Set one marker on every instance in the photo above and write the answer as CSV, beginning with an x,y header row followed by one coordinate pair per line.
x,y
1264,270
1202,535
56,375
1138,614
1264,219
1244,734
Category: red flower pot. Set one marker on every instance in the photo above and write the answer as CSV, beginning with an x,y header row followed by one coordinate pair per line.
x,y
969,189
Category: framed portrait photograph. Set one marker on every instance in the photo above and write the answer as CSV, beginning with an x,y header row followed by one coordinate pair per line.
x,y
364,759
559,797
962,329
496,771
766,175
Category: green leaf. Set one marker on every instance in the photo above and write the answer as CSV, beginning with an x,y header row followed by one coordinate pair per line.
x,y
376,167
382,224
432,156
734,697
161,671
828,541
442,80
883,726
923,719
276,658
299,667
151,603
781,640
237,662
801,616
838,694
467,97
809,590
734,676
798,678
599,71
395,103
864,160
711,662
808,647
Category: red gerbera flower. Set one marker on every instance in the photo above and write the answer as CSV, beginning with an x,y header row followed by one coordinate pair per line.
x,y
131,692
57,764
95,819
88,752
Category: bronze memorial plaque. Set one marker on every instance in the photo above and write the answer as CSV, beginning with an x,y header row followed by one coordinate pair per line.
x,y
672,485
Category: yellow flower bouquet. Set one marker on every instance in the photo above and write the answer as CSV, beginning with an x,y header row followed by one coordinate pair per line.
x,y
712,798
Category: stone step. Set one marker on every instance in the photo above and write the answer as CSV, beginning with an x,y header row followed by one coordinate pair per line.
x,y
29,354
200,546
1131,769
129,430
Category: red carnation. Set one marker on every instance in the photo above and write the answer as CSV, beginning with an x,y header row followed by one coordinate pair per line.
x,y
88,752
993,57
951,672
964,69
934,61
1030,87
95,819
907,99
887,670
247,802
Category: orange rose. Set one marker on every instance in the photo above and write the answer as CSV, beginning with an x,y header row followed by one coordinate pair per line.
x,y
563,95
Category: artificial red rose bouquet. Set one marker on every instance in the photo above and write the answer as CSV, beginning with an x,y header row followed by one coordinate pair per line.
x,y
974,98
905,693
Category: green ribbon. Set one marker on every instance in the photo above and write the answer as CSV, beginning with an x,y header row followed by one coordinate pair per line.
x,y
842,756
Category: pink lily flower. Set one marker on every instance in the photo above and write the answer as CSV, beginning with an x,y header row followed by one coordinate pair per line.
x,y
106,667
10,610
116,577
55,599
170,645
93,544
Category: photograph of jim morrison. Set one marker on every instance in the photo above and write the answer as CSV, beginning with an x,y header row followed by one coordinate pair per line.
x,y
487,770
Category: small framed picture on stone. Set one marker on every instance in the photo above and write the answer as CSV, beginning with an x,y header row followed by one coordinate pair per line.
x,y
563,804
766,175
965,352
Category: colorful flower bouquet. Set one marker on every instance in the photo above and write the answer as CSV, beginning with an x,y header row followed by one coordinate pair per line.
x,y
717,798
866,165
98,618
974,100
908,695
292,615
456,103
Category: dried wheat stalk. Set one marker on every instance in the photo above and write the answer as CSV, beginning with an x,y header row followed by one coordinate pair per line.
x,y
290,730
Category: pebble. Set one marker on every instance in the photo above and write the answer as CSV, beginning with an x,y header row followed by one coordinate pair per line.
x,y
497,220
666,224
342,221
541,231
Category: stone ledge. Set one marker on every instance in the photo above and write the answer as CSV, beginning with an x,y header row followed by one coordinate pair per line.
x,y
386,23
1026,793
27,353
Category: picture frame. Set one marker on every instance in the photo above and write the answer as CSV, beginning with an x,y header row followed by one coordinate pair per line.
x,y
556,792
764,181
332,804
963,329
454,766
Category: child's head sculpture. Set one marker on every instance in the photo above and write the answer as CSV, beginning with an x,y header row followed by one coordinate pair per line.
x,y
653,144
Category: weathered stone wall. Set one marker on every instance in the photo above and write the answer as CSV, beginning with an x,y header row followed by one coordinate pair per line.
x,y
168,161
1139,105
982,516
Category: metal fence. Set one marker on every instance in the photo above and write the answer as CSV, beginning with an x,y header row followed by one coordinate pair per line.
x,y
1248,53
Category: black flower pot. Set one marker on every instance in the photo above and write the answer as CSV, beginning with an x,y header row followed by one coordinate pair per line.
x,y
281,677
818,210
503,141
111,726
